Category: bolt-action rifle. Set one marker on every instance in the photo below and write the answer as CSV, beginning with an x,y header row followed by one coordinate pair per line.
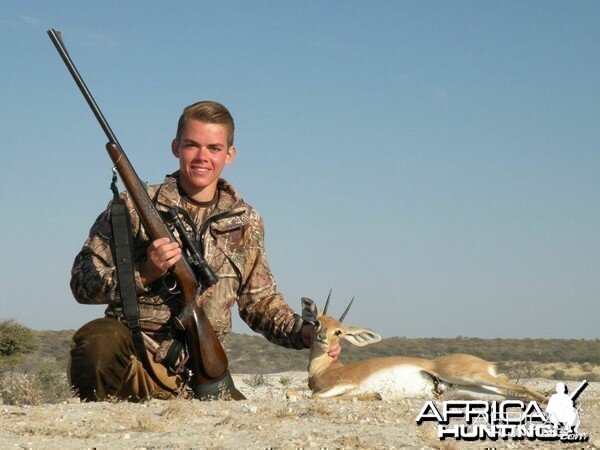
x,y
207,360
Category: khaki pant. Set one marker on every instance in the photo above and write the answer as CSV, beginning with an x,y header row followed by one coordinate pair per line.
x,y
104,365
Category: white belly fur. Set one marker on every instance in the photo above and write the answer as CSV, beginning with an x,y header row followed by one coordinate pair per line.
x,y
403,381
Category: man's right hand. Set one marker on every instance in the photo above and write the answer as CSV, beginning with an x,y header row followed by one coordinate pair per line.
x,y
161,255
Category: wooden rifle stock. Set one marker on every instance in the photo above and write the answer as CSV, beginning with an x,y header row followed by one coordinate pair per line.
x,y
207,359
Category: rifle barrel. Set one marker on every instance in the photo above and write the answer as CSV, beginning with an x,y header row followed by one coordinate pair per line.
x,y
55,37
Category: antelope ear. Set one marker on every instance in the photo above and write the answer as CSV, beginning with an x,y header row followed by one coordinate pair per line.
x,y
360,336
310,312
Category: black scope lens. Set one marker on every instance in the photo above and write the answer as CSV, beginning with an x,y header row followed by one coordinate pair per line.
x,y
207,276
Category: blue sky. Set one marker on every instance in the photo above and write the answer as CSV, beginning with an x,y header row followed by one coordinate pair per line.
x,y
440,161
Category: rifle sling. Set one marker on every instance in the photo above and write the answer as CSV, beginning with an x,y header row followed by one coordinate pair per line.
x,y
123,249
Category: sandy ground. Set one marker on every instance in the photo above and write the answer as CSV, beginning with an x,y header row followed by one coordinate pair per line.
x,y
266,419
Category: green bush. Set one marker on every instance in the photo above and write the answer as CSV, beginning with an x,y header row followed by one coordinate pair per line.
x,y
27,375
16,339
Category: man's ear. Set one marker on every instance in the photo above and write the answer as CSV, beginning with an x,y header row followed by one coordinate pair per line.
x,y
360,336
310,312
231,152
175,148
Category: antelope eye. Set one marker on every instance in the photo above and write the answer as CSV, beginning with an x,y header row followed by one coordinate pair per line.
x,y
318,325
338,332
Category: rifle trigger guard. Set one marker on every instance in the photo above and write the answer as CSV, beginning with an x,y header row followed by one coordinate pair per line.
x,y
170,284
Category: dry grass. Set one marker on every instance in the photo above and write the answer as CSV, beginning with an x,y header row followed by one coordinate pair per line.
x,y
570,371
178,409
20,389
36,381
226,421
319,408
286,381
427,433
523,371
351,442
145,422
284,412
257,380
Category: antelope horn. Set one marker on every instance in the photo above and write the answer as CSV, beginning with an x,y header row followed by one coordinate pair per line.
x,y
346,311
327,302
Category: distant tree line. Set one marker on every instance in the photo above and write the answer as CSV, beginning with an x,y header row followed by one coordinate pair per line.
x,y
251,354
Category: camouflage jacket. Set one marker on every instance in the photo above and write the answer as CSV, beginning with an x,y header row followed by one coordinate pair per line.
x,y
233,247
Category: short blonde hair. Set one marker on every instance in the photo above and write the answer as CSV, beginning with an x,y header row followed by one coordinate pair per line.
x,y
209,112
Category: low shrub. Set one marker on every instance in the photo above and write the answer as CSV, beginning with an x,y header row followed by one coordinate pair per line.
x,y
257,380
20,389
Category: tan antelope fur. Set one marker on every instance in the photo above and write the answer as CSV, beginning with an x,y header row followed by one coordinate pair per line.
x,y
396,376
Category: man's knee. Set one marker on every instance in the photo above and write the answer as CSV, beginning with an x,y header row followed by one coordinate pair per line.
x,y
103,341
100,356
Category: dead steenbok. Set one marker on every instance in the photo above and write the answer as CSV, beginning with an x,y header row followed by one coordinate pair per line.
x,y
395,376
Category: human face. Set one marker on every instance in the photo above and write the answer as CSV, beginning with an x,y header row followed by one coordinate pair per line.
x,y
203,153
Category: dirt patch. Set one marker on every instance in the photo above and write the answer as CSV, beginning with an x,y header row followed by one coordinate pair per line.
x,y
267,419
